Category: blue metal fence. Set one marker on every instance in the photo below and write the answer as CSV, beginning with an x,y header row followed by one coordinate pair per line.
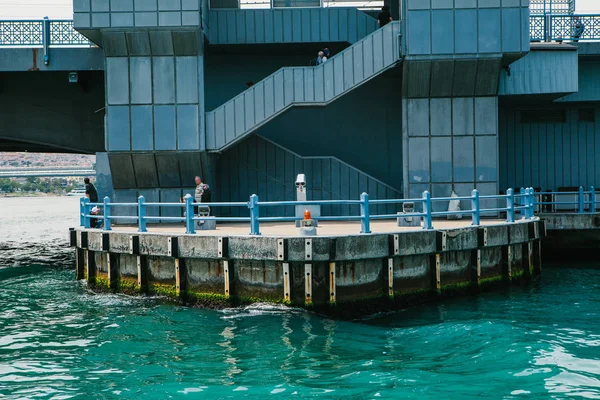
x,y
522,203
560,27
40,33
580,201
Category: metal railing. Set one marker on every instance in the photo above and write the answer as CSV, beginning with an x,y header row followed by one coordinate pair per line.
x,y
580,201
521,203
39,33
365,5
558,27
56,33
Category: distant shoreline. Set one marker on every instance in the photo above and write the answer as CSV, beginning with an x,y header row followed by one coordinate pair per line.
x,y
31,194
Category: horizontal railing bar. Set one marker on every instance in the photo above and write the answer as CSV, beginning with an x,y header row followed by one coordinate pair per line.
x,y
308,202
392,201
452,198
223,204
165,204
241,219
164,218
344,218
461,212
396,216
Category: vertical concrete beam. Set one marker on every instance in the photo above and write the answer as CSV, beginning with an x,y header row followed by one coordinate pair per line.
x,y
286,282
332,282
113,270
476,266
79,263
537,257
180,276
90,262
226,277
307,284
390,271
436,271
507,261
142,268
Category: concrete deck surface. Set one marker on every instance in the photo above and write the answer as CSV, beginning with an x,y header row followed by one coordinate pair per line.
x,y
288,229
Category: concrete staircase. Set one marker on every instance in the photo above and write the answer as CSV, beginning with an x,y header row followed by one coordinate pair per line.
x,y
303,86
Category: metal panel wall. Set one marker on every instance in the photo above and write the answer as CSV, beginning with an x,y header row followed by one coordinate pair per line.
x,y
450,144
465,27
305,86
549,155
307,25
542,72
589,82
258,166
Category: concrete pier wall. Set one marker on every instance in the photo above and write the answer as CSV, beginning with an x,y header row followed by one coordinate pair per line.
x,y
345,275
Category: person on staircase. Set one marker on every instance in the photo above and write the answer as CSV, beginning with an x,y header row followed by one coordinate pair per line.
x,y
384,17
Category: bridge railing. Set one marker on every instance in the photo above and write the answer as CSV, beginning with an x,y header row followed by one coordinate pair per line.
x,y
39,33
57,33
580,201
560,27
509,203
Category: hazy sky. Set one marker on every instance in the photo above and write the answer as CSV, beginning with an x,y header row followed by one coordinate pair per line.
x,y
35,9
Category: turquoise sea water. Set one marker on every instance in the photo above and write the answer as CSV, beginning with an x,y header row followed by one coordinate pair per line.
x,y
58,340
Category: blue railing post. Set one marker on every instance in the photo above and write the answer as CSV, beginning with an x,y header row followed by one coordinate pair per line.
x,y
86,212
592,199
427,224
254,215
522,202
107,214
141,214
531,202
46,40
581,199
365,222
82,211
189,214
510,205
475,207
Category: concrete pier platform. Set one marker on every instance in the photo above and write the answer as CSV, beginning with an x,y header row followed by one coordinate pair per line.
x,y
290,230
339,272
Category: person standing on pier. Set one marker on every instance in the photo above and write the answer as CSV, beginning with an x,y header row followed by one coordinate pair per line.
x,y
92,194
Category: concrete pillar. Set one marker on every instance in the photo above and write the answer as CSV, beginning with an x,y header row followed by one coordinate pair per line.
x,y
79,263
180,276
142,267
113,270
90,263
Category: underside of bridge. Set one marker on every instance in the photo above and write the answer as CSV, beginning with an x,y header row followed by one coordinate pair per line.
x,y
44,112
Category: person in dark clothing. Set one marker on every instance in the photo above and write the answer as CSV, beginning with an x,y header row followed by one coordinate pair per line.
x,y
579,28
90,191
384,16
92,194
